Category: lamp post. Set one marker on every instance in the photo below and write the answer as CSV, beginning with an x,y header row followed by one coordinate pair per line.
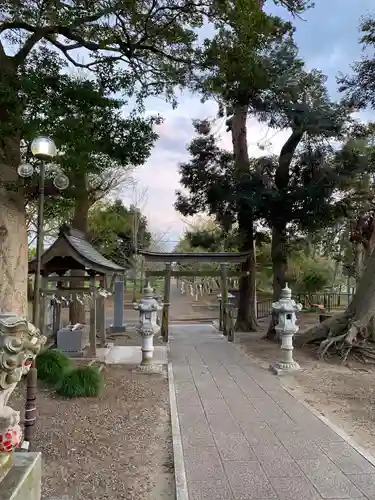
x,y
44,149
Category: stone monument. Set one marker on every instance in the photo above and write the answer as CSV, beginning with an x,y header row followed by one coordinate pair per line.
x,y
286,328
20,473
148,308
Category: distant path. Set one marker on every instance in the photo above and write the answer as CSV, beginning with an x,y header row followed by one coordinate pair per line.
x,y
185,308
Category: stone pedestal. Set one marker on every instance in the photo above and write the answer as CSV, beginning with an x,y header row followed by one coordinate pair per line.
x,y
23,480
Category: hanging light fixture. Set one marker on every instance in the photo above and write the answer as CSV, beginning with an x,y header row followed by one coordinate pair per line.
x,y
61,181
25,170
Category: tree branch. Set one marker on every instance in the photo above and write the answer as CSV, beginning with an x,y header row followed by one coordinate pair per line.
x,y
28,46
2,52
285,158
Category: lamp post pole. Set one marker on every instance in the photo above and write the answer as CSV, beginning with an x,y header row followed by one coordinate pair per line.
x,y
44,149
32,376
39,245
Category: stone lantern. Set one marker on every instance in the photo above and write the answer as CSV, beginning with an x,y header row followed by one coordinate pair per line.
x,y
148,308
286,328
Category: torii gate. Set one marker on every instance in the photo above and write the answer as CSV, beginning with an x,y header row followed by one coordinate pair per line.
x,y
168,258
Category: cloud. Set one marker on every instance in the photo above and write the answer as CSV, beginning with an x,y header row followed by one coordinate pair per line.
x,y
160,174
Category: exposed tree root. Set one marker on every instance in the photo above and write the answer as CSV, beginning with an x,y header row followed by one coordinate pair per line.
x,y
340,336
362,350
328,343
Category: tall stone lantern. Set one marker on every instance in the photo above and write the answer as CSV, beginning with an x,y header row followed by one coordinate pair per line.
x,y
148,308
20,342
286,328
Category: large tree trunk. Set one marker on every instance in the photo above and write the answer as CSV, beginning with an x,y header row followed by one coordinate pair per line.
x,y
80,222
279,254
280,220
13,253
352,324
246,316
13,233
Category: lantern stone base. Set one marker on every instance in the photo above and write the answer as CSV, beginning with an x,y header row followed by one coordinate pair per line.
x,y
284,367
149,369
117,328
24,478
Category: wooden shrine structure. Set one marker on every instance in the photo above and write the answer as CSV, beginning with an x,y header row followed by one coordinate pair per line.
x,y
72,252
224,259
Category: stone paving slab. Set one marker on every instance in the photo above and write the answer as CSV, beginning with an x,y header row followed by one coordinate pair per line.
x,y
244,437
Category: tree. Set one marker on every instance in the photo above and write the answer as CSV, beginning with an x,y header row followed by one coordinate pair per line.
x,y
99,146
346,331
349,330
111,230
136,47
242,67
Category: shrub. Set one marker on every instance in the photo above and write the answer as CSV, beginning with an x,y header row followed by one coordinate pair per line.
x,y
85,381
52,365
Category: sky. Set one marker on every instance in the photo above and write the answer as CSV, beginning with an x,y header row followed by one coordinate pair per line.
x,y
328,39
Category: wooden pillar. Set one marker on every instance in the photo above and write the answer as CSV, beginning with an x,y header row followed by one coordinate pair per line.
x,y
92,334
101,320
57,314
166,301
224,296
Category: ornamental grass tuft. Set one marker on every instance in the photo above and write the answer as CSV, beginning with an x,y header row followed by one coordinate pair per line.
x,y
84,381
52,365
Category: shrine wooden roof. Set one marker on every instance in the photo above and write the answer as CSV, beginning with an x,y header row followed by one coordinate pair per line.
x,y
218,257
72,250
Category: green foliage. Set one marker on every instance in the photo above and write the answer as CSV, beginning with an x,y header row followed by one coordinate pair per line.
x,y
314,280
31,253
85,381
309,203
152,60
99,145
118,231
52,365
359,87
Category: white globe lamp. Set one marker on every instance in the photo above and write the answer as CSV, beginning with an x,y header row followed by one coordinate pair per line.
x,y
43,148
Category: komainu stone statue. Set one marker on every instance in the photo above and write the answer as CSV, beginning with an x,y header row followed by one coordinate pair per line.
x,y
20,342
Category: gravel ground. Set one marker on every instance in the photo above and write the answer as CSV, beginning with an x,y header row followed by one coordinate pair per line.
x,y
116,446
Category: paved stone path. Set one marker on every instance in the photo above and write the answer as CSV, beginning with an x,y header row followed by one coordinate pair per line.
x,y
245,438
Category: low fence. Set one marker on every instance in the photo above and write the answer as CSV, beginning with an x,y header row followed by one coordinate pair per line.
x,y
329,301
264,308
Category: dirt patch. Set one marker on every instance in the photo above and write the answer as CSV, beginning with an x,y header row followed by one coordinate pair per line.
x,y
116,446
344,394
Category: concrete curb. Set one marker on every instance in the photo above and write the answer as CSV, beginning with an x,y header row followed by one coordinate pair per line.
x,y
362,451
178,457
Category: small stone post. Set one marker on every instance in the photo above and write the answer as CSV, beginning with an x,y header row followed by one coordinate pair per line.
x,y
229,312
118,306
148,308
286,328
220,311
